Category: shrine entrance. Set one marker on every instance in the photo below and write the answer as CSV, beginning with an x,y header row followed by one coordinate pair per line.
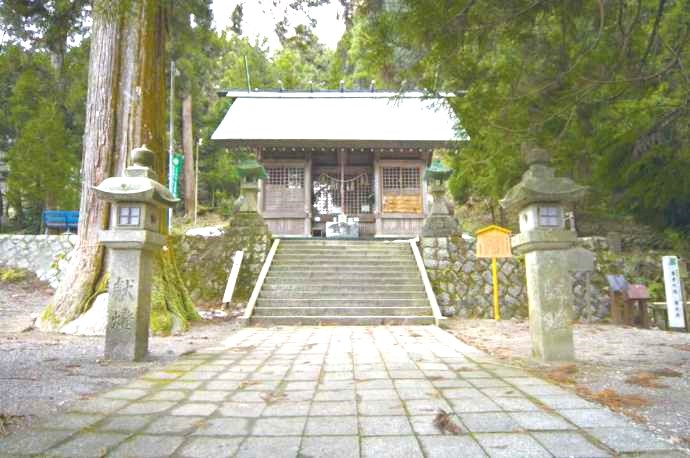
x,y
343,184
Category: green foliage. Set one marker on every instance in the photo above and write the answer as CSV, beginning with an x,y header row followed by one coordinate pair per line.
x,y
11,275
41,129
303,59
603,85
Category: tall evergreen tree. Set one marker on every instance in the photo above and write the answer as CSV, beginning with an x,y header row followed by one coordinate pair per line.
x,y
125,108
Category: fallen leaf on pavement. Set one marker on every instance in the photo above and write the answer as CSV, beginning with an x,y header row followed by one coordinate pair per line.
x,y
445,423
645,379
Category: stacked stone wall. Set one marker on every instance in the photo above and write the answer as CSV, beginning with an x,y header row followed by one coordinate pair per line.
x,y
463,284
45,255
205,262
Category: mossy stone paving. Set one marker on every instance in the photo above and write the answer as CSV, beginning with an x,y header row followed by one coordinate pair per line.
x,y
337,392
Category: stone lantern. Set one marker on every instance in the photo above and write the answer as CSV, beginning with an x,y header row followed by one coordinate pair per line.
x,y
439,223
540,199
251,172
133,239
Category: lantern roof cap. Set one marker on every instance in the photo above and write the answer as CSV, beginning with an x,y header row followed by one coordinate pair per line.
x,y
135,189
438,169
540,184
250,168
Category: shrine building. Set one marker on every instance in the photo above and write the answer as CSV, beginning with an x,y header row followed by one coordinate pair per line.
x,y
360,155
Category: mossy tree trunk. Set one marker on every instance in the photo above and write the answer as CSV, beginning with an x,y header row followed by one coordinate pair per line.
x,y
125,109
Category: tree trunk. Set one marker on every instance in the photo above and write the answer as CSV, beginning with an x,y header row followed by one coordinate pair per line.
x,y
124,109
188,148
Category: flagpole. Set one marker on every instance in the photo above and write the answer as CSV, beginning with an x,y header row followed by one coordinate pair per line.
x,y
171,143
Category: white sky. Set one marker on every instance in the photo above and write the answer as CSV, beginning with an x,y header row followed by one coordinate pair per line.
x,y
260,17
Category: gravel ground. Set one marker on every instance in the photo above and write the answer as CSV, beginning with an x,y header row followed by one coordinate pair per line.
x,y
42,373
612,364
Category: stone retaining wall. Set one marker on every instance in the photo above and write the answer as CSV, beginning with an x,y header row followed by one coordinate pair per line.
x,y
463,283
205,262
45,255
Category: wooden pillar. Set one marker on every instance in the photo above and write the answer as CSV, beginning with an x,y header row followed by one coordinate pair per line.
x,y
378,189
341,162
424,186
308,189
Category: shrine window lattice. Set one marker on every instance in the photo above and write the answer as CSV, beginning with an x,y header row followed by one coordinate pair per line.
x,y
401,180
287,177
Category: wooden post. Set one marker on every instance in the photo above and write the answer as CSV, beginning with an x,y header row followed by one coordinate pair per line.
x,y
494,275
494,242
378,194
308,189
341,159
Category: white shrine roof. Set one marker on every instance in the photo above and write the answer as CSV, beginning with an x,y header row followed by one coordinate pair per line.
x,y
372,119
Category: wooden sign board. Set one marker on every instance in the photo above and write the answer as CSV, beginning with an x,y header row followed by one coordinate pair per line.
x,y
402,204
493,242
637,292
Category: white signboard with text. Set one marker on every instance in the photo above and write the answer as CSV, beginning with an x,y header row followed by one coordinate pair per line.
x,y
674,292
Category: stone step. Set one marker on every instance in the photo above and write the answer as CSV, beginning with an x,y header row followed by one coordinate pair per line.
x,y
344,302
341,242
334,254
339,282
349,277
342,320
353,263
342,294
370,269
342,311
373,286
403,248
347,251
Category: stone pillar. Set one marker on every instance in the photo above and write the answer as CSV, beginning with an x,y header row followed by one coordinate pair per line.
x,y
540,198
129,298
134,238
551,299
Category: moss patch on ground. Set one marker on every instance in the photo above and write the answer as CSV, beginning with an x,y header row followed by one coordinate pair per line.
x,y
12,275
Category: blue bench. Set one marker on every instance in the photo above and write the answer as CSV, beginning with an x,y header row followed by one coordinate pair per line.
x,y
63,220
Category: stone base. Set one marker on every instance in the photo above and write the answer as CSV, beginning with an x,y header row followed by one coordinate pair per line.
x,y
439,226
129,304
550,293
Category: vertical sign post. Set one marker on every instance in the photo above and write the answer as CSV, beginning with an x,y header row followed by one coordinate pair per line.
x,y
494,242
674,292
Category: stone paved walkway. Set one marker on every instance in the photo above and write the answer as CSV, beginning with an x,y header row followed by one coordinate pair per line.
x,y
336,392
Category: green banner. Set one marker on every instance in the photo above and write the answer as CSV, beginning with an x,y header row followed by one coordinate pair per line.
x,y
177,163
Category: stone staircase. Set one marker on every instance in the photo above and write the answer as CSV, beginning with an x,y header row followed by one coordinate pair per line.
x,y
342,282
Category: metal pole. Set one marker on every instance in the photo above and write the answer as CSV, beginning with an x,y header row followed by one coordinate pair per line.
x,y
171,143
494,275
196,182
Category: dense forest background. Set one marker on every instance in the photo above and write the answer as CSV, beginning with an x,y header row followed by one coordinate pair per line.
x,y
603,84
